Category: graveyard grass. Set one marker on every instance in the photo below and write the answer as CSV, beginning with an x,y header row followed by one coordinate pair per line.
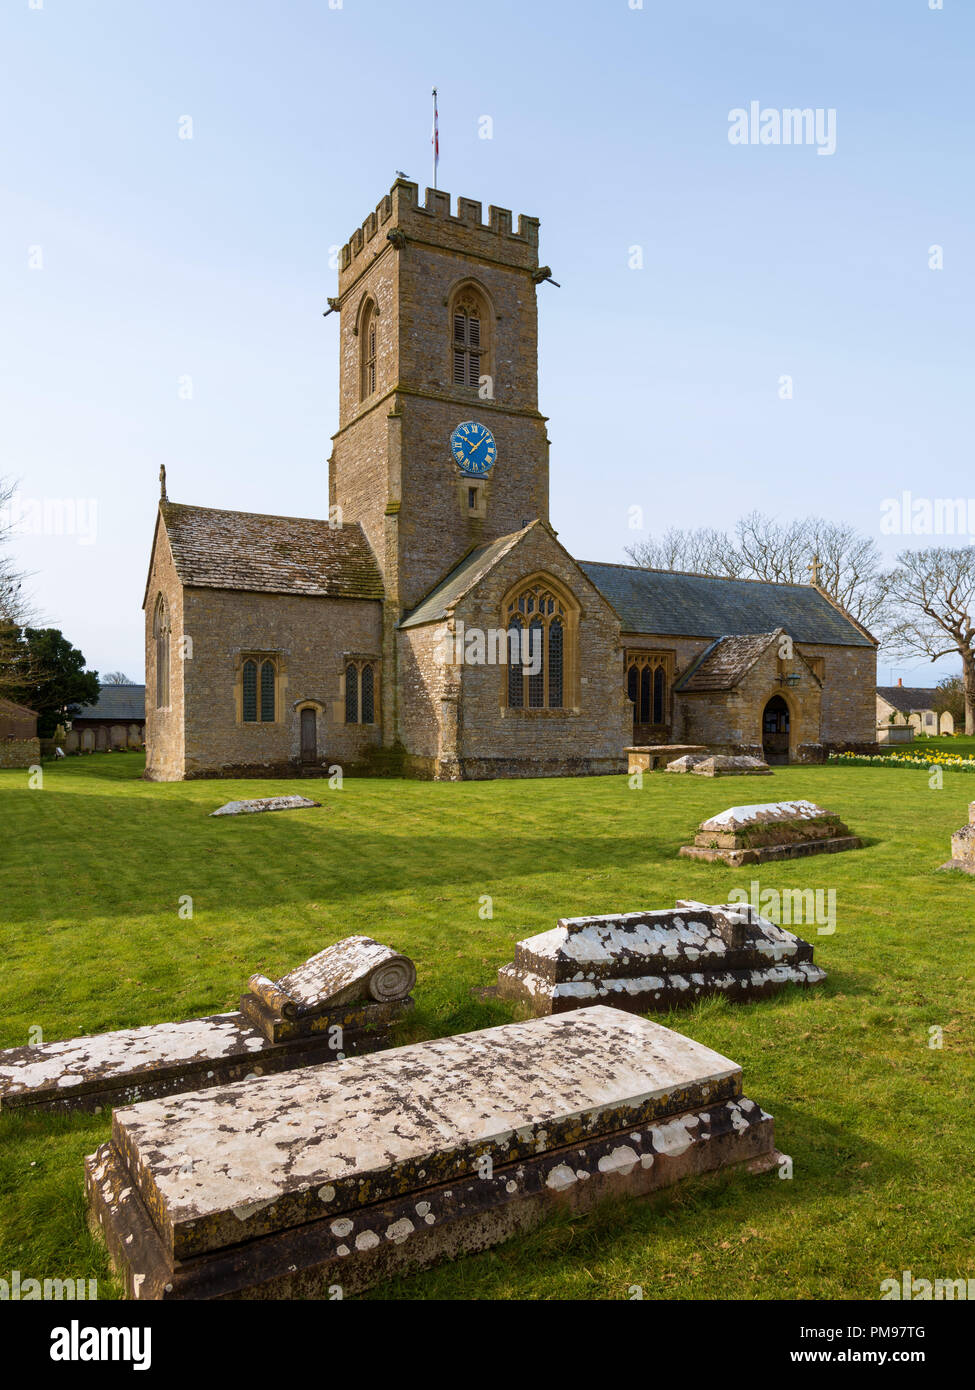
x,y
878,1123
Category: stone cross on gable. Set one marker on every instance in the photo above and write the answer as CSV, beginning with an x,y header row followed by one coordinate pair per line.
x,y
162,482
814,570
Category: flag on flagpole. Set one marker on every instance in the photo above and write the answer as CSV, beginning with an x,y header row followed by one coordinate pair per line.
x,y
435,139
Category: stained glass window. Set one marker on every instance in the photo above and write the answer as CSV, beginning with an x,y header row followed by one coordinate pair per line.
x,y
250,692
555,664
351,695
267,692
368,709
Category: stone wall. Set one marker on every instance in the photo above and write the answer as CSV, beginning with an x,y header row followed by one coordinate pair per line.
x,y
310,638
478,735
19,752
849,711
164,725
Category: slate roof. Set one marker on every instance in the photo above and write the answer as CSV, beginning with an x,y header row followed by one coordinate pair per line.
x,y
462,577
12,707
725,662
270,554
123,702
907,698
665,602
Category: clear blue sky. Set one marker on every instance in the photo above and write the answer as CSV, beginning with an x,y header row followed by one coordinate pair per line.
x,y
207,258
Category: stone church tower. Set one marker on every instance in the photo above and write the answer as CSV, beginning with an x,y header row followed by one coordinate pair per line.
x,y
439,326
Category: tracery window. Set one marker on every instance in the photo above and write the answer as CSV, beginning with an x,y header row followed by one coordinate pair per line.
x,y
537,624
648,680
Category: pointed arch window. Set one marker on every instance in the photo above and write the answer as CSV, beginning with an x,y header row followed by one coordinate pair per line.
x,y
540,625
160,633
470,338
368,333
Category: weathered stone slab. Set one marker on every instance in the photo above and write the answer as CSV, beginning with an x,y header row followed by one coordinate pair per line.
x,y
132,1064
646,961
264,803
723,765
963,846
350,1173
647,757
770,830
685,764
161,1059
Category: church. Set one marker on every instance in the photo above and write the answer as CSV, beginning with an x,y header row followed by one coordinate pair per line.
x,y
433,624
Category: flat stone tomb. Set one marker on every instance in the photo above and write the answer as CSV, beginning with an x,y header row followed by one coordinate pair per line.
x,y
721,765
645,961
343,1001
768,831
963,846
346,1175
265,803
646,757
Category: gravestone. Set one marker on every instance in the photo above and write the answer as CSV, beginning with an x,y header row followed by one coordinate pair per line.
x,y
343,1001
339,1177
963,846
656,961
768,831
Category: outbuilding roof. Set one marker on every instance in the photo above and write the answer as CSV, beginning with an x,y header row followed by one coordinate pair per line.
x,y
122,702
907,698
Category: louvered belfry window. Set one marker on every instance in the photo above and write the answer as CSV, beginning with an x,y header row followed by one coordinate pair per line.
x,y
367,349
467,346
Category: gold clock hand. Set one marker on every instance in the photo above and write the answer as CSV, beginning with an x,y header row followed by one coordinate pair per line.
x,y
479,443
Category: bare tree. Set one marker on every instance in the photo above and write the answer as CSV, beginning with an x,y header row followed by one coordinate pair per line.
x,y
117,678
15,660
850,565
932,614
13,597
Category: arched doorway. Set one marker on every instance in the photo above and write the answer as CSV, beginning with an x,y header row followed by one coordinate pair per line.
x,y
776,731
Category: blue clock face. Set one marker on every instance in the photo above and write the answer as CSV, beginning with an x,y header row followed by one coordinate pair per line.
x,y
473,448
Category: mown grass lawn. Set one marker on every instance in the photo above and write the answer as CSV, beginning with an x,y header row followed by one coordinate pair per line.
x,y
878,1123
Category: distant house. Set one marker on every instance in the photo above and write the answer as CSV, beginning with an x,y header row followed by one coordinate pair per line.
x,y
902,706
116,720
19,746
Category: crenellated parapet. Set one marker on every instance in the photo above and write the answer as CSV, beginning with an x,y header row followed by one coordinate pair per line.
x,y
400,218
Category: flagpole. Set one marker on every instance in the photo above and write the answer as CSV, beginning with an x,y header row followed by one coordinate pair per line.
x,y
436,138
